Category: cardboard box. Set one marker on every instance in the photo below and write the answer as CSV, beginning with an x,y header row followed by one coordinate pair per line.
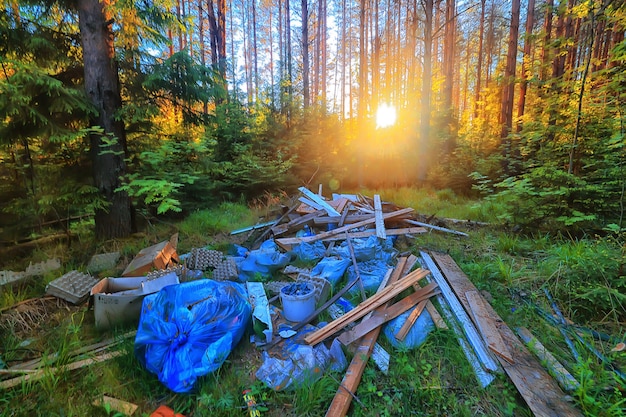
x,y
154,257
118,300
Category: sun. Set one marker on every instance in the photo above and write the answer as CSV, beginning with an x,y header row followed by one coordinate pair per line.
x,y
385,116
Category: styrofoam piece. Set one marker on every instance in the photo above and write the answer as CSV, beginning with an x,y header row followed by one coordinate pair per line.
x,y
261,307
7,277
73,287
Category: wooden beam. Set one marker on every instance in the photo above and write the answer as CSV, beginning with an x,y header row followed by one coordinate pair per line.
x,y
430,226
381,317
487,326
319,201
555,368
341,402
410,321
349,227
378,215
41,373
540,391
287,243
434,314
365,307
462,316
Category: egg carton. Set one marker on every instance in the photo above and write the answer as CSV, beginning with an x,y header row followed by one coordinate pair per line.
x,y
73,287
226,270
179,270
202,259
321,286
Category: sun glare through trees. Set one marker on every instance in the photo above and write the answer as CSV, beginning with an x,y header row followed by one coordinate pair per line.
x,y
385,116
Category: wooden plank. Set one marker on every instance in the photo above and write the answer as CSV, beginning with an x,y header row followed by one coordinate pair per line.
x,y
487,325
114,404
343,398
349,227
312,204
378,215
383,316
410,321
287,243
340,204
319,201
349,218
365,307
90,350
341,402
434,314
441,229
540,391
295,223
555,368
462,316
40,373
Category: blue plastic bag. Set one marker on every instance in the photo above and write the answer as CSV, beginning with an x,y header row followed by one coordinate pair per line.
x,y
416,335
264,261
331,269
371,273
310,251
297,364
188,330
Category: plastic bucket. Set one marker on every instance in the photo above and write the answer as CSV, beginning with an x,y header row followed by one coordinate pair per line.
x,y
298,301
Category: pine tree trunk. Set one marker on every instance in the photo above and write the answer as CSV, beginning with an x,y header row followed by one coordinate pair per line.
x,y
102,88
424,137
526,63
305,52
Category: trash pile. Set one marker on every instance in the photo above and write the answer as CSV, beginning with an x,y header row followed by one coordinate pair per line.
x,y
336,258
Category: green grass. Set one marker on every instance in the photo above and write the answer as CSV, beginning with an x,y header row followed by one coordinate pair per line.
x,y
433,380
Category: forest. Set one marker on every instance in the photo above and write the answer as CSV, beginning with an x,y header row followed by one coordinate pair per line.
x,y
118,109
127,122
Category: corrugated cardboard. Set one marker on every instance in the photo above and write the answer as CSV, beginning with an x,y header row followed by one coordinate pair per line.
x,y
118,300
154,257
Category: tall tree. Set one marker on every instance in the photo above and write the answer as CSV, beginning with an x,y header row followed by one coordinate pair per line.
x,y
479,65
506,110
526,63
108,137
305,52
449,58
424,136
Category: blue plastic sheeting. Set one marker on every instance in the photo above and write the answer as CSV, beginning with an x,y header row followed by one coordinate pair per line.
x,y
371,273
298,364
331,269
309,251
416,335
188,330
368,249
263,262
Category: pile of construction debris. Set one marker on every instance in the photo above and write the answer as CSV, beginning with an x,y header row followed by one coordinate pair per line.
x,y
343,246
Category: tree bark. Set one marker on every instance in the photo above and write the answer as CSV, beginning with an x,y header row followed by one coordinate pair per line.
x,y
506,115
108,148
426,90
305,52
506,118
479,65
526,63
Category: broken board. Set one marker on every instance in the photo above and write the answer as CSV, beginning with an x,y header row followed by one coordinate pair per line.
x,y
488,327
540,391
